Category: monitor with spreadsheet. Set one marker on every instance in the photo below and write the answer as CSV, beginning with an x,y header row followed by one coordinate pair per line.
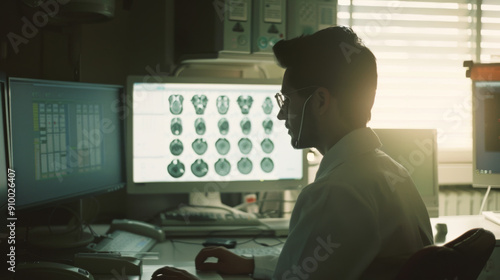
x,y
189,135
416,150
67,140
486,134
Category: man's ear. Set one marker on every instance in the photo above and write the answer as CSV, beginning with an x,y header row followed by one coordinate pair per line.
x,y
324,100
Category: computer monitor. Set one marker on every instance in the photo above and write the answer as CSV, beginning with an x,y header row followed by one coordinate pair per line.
x,y
416,150
196,135
67,140
486,134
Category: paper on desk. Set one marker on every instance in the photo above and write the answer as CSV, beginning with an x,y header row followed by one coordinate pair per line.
x,y
493,216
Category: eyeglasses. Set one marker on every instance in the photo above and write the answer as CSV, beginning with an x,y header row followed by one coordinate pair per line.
x,y
283,101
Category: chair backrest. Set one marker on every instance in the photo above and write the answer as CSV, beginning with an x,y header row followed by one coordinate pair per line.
x,y
462,258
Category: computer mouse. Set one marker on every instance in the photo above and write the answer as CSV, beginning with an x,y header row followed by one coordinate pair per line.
x,y
442,230
50,270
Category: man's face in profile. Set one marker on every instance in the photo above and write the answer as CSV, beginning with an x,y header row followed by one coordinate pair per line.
x,y
293,108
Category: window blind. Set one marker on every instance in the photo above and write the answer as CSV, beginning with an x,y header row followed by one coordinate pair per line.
x,y
420,48
490,31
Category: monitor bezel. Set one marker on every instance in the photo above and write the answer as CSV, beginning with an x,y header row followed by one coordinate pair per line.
x,y
480,180
98,190
431,201
5,150
204,186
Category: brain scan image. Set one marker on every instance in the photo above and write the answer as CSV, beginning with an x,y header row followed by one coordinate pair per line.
x,y
200,126
222,146
200,146
245,165
222,104
268,126
245,145
176,168
200,103
176,147
223,125
197,131
222,167
176,126
199,168
245,102
175,104
267,145
267,165
246,126
267,106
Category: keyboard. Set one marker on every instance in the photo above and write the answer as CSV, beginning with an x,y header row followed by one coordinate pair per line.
x,y
124,242
257,251
207,216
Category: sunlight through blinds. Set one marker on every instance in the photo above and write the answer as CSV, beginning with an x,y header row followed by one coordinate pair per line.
x,y
490,31
420,48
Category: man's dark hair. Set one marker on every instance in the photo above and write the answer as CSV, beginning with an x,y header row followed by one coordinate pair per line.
x,y
334,58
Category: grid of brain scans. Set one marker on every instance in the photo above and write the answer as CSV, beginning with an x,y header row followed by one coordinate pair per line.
x,y
210,132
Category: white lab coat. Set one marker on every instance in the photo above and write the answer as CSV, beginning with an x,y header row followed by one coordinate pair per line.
x,y
361,218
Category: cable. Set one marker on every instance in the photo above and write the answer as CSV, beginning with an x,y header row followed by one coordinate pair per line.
x,y
77,226
91,218
280,242
228,209
261,204
185,242
301,122
95,234
484,200
262,232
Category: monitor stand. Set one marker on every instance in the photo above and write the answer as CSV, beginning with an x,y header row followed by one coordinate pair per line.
x,y
61,237
210,199
206,199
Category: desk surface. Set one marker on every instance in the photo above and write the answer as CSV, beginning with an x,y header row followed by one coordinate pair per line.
x,y
457,225
180,252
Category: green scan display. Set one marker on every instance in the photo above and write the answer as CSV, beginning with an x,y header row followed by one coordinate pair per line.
x,y
199,168
245,145
222,167
176,168
199,146
200,126
267,165
245,165
176,126
223,125
222,146
176,147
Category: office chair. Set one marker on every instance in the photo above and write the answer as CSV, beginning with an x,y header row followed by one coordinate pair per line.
x,y
462,258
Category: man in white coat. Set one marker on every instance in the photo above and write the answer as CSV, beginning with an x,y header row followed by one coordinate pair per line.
x,y
362,217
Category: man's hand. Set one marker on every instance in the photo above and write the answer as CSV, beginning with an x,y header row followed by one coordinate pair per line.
x,y
228,262
167,272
